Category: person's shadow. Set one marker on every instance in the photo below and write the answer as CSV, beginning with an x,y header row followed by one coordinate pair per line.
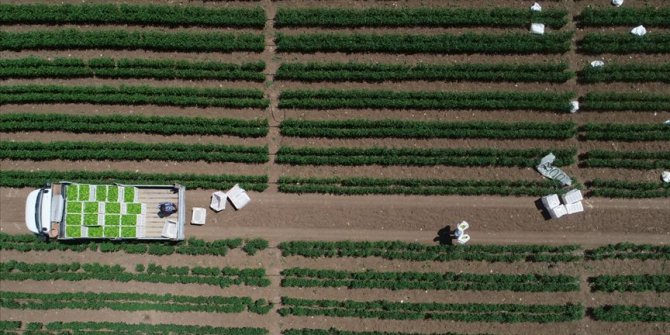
x,y
444,236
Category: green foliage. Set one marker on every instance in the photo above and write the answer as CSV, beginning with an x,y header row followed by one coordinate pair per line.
x,y
624,43
364,185
416,17
133,95
467,43
155,15
223,277
113,207
422,252
360,128
94,232
252,246
420,157
378,99
134,208
162,125
9,178
624,313
370,72
73,207
617,101
299,277
153,40
627,73
98,328
630,283
125,302
629,251
626,132
33,67
70,232
39,151
626,189
333,331
644,160
625,16
387,310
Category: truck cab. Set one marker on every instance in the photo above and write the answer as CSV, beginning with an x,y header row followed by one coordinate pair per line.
x,y
44,211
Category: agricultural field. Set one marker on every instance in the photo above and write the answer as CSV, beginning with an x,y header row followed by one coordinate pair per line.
x,y
361,129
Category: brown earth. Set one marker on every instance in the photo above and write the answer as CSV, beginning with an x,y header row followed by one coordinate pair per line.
x,y
284,217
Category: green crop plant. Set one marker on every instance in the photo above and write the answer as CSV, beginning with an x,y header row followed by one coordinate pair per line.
x,y
626,132
630,283
616,101
623,43
625,16
626,73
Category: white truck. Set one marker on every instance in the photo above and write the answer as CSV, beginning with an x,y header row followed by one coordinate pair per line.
x,y
68,211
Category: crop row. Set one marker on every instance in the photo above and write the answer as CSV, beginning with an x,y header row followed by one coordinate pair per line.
x,y
61,39
97,328
360,99
627,189
369,72
616,101
299,277
416,17
133,95
630,283
627,73
105,67
132,302
17,179
360,128
162,125
422,252
387,310
20,271
625,16
624,313
155,15
364,185
467,43
629,251
75,151
626,132
420,157
619,43
192,246
645,160
333,331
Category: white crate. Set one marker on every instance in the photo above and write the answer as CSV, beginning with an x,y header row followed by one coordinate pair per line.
x,y
576,207
558,211
572,197
551,201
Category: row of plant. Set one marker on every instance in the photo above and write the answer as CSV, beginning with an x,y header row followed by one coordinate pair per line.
x,y
155,15
191,246
629,251
630,283
360,99
132,302
627,73
105,67
369,72
417,17
133,95
422,252
645,160
152,40
18,179
625,16
300,277
625,313
620,43
152,273
387,310
98,328
333,331
361,128
617,101
118,123
420,157
76,151
467,43
366,185
626,132
628,189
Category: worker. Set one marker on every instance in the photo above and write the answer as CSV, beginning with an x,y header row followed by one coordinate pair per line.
x,y
167,208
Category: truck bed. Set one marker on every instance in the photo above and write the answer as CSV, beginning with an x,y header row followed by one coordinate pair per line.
x,y
153,224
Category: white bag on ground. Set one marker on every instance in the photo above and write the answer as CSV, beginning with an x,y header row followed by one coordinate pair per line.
x,y
597,63
617,3
574,106
537,28
639,31
665,176
536,7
